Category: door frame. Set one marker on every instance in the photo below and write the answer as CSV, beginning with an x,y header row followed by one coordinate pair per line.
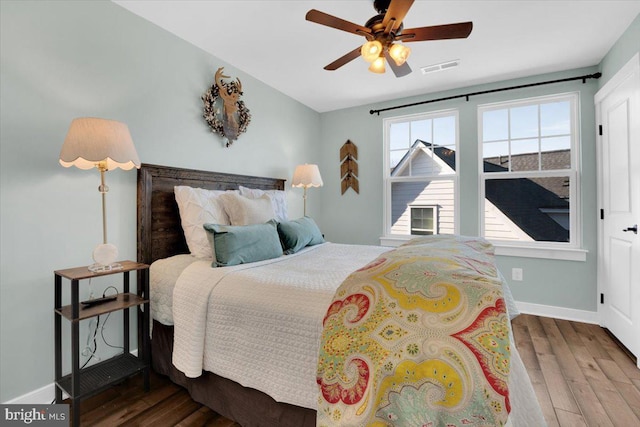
x,y
633,65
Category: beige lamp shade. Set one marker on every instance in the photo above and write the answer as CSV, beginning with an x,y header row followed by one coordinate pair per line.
x,y
306,176
91,141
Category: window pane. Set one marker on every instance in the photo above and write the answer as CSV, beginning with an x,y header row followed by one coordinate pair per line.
x,y
524,121
522,146
421,129
524,155
555,118
448,155
428,222
495,125
439,193
527,209
394,158
444,130
556,153
496,156
399,136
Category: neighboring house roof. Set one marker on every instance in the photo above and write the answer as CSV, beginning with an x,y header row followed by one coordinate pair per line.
x,y
445,156
522,200
557,159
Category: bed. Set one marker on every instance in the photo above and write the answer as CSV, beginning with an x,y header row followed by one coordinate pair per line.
x,y
242,389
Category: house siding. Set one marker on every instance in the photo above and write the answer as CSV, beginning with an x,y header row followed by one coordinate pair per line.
x,y
497,226
438,193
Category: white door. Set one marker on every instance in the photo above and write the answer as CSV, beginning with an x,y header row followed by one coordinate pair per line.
x,y
618,112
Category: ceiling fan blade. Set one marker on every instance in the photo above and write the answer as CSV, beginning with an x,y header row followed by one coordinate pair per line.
x,y
334,22
399,71
460,30
343,60
397,11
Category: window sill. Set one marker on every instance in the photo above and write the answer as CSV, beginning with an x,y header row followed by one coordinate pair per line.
x,y
393,241
563,254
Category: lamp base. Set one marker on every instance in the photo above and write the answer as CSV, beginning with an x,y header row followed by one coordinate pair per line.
x,y
105,256
99,268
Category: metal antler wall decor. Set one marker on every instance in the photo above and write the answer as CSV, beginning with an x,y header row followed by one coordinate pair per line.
x,y
225,113
349,167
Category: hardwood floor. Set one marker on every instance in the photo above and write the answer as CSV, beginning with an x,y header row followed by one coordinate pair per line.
x,y
166,404
580,375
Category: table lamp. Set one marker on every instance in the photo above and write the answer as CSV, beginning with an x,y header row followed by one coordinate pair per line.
x,y
105,145
306,176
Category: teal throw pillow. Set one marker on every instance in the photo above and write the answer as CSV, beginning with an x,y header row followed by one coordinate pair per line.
x,y
298,234
242,244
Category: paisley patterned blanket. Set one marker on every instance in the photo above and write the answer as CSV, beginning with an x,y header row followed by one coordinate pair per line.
x,y
418,337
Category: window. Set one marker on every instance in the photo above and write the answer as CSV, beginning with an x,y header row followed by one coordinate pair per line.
x,y
424,220
529,173
421,174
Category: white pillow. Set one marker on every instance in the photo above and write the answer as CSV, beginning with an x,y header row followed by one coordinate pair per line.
x,y
245,211
198,206
278,197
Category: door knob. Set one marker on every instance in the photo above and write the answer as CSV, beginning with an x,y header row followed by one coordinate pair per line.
x,y
634,229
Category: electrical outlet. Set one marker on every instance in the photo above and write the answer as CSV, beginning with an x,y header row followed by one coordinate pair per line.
x,y
516,274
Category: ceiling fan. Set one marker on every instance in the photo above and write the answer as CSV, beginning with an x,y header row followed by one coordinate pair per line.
x,y
384,32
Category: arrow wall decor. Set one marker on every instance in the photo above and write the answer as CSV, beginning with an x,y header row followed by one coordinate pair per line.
x,y
349,167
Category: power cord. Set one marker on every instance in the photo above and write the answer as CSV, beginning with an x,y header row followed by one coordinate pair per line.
x,y
91,349
102,334
104,294
88,350
90,289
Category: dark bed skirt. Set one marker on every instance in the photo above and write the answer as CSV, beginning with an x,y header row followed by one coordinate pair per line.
x,y
247,406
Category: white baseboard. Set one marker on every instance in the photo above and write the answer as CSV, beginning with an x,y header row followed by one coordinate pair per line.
x,y
42,396
563,313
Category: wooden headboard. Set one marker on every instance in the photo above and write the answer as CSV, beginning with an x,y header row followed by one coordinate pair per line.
x,y
159,231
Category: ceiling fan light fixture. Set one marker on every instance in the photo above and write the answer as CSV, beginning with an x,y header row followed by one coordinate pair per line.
x,y
371,50
399,53
382,31
377,66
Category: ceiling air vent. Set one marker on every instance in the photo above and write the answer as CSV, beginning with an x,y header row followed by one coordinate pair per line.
x,y
439,67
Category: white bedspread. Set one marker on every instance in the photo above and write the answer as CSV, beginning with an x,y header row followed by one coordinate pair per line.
x,y
261,326
163,276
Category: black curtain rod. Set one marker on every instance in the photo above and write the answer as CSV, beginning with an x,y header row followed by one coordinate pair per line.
x,y
467,95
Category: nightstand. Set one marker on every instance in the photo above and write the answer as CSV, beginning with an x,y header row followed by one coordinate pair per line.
x,y
82,383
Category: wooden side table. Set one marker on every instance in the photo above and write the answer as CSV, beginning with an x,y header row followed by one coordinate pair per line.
x,y
82,383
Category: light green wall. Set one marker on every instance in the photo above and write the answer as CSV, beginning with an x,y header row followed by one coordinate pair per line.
x,y
626,46
357,218
61,60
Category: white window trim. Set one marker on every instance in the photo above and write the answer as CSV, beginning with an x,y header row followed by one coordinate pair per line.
x,y
545,252
571,251
388,239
